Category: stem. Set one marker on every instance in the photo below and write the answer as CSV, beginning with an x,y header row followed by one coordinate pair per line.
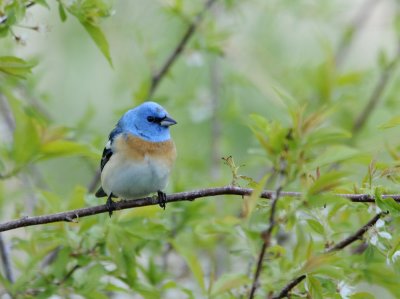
x,y
69,216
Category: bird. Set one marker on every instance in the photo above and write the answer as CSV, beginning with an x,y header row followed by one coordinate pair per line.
x,y
139,155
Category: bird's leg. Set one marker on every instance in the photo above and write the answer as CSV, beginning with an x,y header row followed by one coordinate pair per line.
x,y
162,199
110,204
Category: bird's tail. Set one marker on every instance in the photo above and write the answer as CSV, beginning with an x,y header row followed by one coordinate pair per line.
x,y
100,193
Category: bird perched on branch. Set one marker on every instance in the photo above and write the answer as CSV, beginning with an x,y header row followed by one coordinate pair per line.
x,y
138,156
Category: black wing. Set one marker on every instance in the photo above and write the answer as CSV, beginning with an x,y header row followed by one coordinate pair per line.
x,y
107,153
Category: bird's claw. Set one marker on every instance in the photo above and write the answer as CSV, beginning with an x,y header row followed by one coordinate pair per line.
x,y
162,199
110,205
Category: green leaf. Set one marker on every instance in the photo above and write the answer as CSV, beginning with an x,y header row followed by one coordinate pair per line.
x,y
326,182
99,38
362,295
314,263
314,287
250,202
60,148
193,262
15,66
333,154
61,12
393,122
327,135
229,281
316,226
43,3
26,139
386,204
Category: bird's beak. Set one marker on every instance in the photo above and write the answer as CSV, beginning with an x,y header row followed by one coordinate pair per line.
x,y
168,121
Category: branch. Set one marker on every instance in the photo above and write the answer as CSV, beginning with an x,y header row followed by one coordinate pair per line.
x,y
266,235
68,275
69,216
160,74
377,92
285,291
5,18
339,246
357,235
354,29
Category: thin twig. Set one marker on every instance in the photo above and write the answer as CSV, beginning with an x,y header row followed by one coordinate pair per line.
x,y
285,291
354,28
357,235
68,275
182,196
377,92
5,111
339,246
266,235
160,74
5,18
215,78
5,258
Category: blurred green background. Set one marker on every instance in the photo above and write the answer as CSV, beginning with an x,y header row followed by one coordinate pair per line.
x,y
253,71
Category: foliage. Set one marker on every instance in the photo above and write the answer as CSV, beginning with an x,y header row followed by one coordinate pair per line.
x,y
260,84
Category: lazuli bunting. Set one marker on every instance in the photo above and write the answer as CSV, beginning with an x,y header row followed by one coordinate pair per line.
x,y
138,156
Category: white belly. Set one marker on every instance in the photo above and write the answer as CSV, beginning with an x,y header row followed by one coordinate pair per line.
x,y
134,180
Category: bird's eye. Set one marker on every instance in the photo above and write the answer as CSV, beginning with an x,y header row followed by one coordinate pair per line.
x,y
151,119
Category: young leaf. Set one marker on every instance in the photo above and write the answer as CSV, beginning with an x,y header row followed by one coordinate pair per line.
x,y
333,154
228,282
98,37
393,122
386,204
15,66
314,287
193,263
43,3
59,148
316,226
326,182
362,295
61,12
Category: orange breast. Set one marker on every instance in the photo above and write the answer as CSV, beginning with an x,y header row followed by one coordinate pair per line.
x,y
137,149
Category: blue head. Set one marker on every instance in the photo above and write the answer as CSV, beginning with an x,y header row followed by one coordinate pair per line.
x,y
149,121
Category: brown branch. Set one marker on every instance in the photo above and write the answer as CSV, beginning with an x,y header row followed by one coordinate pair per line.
x,y
68,275
160,74
377,92
266,235
285,291
357,235
182,196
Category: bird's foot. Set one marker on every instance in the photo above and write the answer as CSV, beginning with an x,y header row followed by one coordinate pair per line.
x,y
162,199
110,204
